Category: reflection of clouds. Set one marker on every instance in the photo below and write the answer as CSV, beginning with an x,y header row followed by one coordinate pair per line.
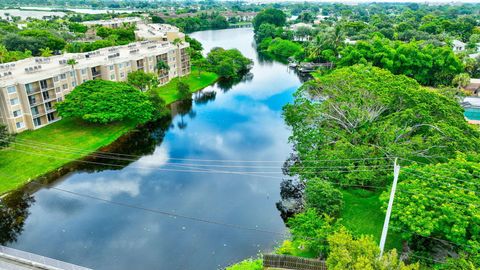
x,y
148,164
106,188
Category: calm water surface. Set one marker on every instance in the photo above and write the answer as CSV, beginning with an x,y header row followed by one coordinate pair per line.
x,y
224,122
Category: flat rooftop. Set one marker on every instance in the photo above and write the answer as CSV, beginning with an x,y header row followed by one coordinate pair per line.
x,y
153,30
113,21
38,68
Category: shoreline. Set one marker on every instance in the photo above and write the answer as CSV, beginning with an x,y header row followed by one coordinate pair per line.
x,y
66,164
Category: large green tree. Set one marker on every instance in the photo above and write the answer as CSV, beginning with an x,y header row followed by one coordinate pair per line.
x,y
437,205
5,137
103,102
360,117
271,16
228,63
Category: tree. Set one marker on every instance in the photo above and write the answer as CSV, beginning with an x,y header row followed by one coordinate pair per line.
x,y
284,48
104,102
183,89
461,80
363,112
228,63
157,19
347,253
323,197
162,67
269,15
46,52
141,80
5,137
440,201
310,230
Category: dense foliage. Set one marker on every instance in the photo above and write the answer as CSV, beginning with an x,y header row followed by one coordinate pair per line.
x,y
5,137
363,112
103,102
270,15
428,64
142,80
438,204
367,113
199,22
347,253
323,197
228,63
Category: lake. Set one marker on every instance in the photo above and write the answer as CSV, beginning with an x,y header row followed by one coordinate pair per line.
x,y
197,192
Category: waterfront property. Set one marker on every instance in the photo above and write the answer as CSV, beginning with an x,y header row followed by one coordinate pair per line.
x,y
30,88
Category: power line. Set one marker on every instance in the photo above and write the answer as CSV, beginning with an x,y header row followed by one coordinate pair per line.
x,y
176,170
211,160
201,165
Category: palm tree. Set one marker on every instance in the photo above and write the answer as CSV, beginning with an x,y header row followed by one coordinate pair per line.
x,y
46,52
72,62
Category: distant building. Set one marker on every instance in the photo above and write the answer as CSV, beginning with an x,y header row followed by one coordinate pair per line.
x,y
114,23
143,31
350,42
159,32
473,87
30,88
458,46
296,26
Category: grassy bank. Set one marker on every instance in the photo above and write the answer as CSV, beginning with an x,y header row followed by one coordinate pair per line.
x,y
196,81
38,152
362,214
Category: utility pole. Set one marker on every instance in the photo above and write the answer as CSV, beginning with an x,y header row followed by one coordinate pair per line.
x,y
396,172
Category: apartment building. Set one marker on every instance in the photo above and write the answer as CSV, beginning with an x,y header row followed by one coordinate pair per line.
x,y
143,31
30,88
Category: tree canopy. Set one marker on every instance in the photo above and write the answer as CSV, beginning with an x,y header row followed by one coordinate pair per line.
x,y
362,112
271,16
103,102
438,203
228,63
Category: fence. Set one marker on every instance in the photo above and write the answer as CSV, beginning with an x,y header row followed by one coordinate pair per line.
x,y
291,262
34,260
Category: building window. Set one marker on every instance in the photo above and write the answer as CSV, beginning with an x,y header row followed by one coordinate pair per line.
x,y
72,74
29,88
59,99
112,77
65,86
120,65
51,117
63,76
37,122
11,89
35,111
84,71
55,79
17,113
74,84
111,67
20,124
127,64
14,101
58,90
122,74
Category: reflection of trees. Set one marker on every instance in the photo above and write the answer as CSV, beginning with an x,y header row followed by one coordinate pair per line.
x,y
13,213
203,97
183,107
128,148
227,84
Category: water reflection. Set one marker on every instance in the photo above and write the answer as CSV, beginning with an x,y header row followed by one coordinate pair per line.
x,y
176,167
13,213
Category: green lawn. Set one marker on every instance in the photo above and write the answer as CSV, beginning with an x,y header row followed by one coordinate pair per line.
x,y
36,153
197,81
362,214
